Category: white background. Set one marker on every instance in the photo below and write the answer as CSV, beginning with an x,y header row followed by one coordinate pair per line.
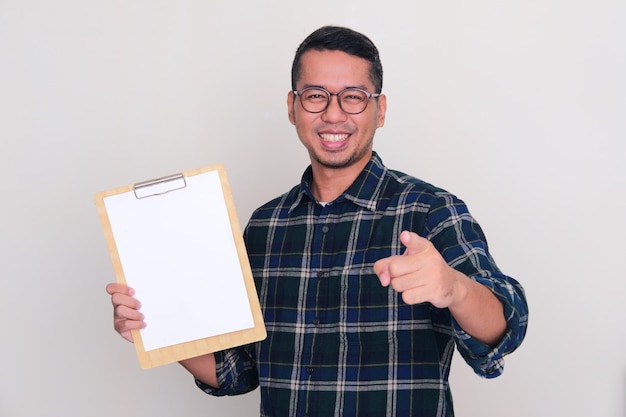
x,y
516,107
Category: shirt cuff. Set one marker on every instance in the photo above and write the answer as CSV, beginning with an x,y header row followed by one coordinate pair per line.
x,y
236,374
484,360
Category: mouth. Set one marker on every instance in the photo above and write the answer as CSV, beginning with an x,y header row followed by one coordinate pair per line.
x,y
334,137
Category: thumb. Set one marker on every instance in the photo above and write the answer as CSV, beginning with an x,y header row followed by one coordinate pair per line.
x,y
413,242
381,268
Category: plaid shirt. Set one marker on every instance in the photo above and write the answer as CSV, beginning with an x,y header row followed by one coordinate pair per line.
x,y
339,343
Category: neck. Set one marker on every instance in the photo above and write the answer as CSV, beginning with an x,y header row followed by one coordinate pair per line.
x,y
330,183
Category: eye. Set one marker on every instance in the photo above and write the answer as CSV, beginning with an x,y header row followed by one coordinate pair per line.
x,y
354,96
314,95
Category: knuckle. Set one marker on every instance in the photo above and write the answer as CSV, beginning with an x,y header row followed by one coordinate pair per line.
x,y
117,311
115,299
407,297
394,269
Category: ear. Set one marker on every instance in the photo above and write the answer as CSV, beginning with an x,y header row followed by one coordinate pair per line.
x,y
382,109
290,107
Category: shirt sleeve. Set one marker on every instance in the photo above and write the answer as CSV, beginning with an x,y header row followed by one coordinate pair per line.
x,y
486,361
460,240
236,372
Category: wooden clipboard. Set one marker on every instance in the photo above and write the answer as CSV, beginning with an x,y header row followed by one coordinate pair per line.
x,y
177,241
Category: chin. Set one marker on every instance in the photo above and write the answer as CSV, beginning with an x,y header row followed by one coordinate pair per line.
x,y
336,163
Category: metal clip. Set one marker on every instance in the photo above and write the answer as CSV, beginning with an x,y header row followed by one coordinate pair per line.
x,y
159,186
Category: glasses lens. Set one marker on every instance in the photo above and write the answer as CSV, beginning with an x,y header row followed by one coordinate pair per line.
x,y
353,100
314,100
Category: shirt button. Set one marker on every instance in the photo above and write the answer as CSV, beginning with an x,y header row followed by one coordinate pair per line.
x,y
316,321
324,229
309,370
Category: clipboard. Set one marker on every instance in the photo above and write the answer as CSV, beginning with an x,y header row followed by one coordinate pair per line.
x,y
177,241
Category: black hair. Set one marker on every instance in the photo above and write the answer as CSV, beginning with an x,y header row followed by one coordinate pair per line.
x,y
337,38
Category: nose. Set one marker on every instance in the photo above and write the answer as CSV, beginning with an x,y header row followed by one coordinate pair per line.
x,y
333,112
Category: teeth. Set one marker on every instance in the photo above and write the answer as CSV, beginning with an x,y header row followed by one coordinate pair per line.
x,y
333,138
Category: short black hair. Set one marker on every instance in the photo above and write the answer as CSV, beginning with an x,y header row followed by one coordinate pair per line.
x,y
337,38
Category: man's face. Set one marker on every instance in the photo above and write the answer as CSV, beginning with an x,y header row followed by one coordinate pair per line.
x,y
333,138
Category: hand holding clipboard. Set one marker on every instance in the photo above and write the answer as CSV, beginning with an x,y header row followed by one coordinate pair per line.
x,y
176,240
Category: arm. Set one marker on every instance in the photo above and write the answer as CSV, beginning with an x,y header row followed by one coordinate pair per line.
x,y
422,275
202,368
127,317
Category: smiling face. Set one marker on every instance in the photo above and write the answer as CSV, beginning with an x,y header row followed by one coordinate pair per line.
x,y
333,138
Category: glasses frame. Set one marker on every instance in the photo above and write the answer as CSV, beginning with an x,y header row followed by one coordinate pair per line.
x,y
330,96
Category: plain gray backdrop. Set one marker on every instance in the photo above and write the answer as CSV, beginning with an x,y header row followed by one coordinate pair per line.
x,y
516,107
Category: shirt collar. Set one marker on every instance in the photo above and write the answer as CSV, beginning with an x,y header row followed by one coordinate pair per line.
x,y
364,190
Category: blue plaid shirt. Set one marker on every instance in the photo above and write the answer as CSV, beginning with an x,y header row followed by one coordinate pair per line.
x,y
339,343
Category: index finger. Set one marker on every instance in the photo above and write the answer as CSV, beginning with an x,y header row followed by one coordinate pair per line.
x,y
413,242
117,288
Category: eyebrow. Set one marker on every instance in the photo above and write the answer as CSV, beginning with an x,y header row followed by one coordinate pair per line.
x,y
362,87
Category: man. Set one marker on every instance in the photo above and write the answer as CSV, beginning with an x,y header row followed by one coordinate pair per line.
x,y
367,277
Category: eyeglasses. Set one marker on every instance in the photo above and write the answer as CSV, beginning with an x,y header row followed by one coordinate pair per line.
x,y
351,100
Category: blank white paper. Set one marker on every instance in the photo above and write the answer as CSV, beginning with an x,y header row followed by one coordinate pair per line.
x,y
178,252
